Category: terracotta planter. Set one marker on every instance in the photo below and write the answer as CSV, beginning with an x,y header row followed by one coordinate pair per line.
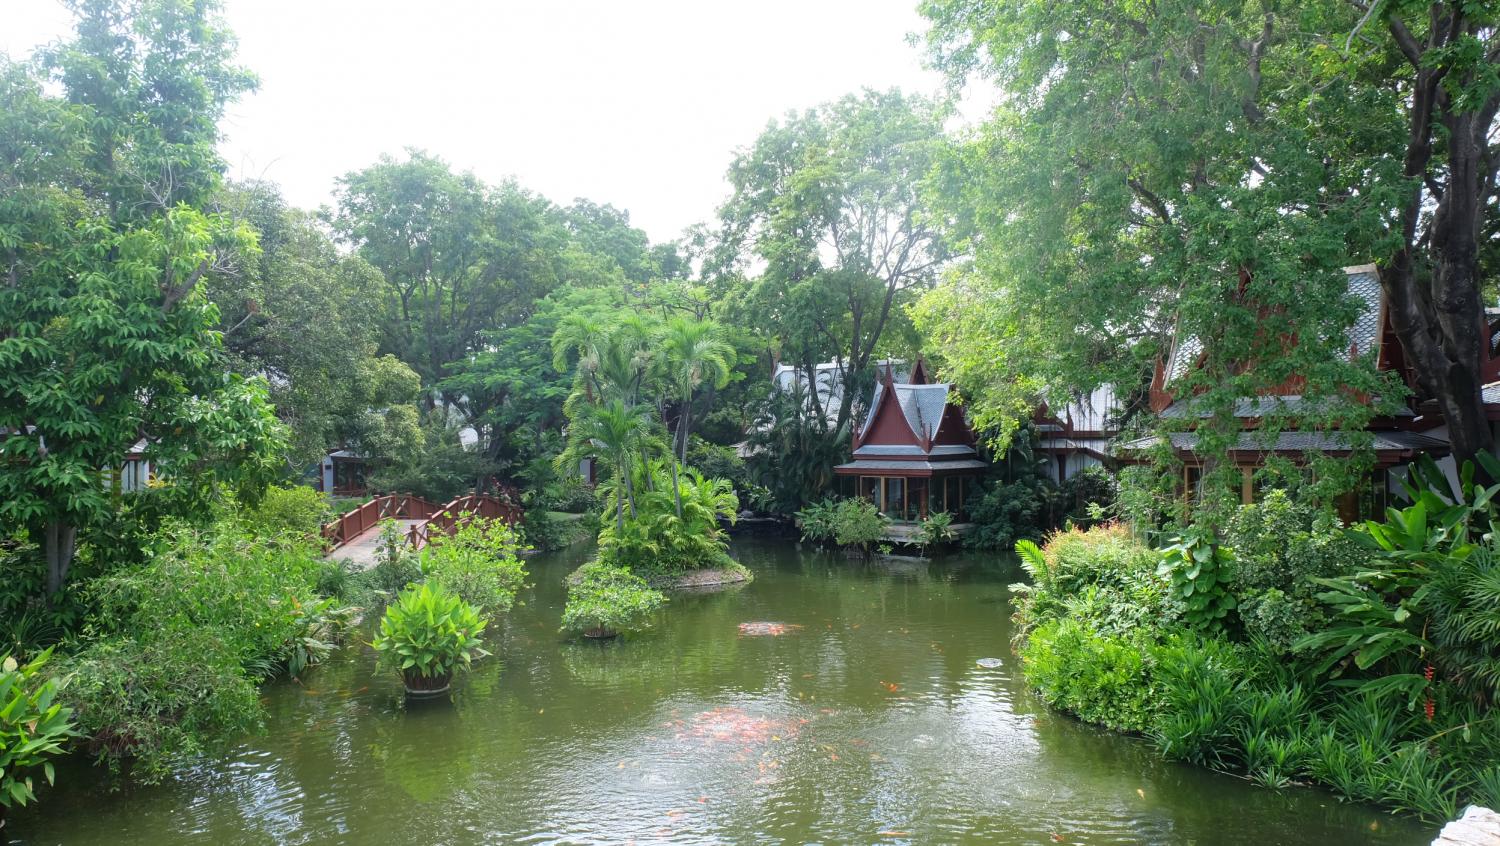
x,y
600,633
422,687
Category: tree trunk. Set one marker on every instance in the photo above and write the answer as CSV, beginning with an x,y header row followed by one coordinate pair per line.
x,y
629,486
60,544
1441,321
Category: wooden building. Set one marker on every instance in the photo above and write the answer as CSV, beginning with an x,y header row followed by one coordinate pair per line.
x,y
342,473
1395,440
1077,435
914,453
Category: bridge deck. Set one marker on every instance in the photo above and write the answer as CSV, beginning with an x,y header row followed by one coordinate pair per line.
x,y
360,551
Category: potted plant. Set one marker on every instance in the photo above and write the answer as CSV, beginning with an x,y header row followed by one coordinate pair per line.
x,y
427,633
604,601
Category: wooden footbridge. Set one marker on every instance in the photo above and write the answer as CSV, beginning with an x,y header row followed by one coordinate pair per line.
x,y
356,535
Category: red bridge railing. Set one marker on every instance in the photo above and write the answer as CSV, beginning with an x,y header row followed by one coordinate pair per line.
x,y
447,519
349,526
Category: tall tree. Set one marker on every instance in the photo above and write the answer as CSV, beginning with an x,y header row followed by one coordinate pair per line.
x,y
306,317
107,164
694,353
1435,65
459,258
1203,170
829,201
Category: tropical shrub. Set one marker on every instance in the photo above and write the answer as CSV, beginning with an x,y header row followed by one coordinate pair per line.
x,y
855,523
1201,571
427,633
604,601
159,701
1092,487
1006,512
1281,548
479,563
34,725
654,540
1415,615
936,529
1121,571
1200,679
28,623
1101,678
320,626
247,593
174,648
297,510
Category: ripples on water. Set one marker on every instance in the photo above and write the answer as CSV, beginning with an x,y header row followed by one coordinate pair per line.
x,y
862,718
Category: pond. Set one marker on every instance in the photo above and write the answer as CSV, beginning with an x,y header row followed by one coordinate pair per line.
x,y
865,716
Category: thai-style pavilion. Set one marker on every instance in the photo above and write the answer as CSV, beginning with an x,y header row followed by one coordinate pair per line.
x,y
1395,440
914,453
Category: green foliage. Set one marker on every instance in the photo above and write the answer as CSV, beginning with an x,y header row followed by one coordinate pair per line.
x,y
794,449
1201,681
306,315
478,563
1201,572
214,584
1101,678
936,529
296,510
605,600
107,169
33,728
436,465
1101,575
457,257
1006,512
396,567
854,524
1194,210
657,541
428,633
158,701
1105,635
1281,547
828,200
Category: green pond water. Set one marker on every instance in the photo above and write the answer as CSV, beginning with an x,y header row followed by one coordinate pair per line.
x,y
867,720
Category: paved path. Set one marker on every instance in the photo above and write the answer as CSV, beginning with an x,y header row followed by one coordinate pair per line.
x,y
361,551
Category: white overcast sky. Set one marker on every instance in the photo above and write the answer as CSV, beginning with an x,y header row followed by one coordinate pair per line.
x,y
638,104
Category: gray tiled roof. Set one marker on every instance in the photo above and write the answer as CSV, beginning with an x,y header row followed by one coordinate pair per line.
x,y
1297,442
1253,407
1364,286
921,405
1492,393
877,466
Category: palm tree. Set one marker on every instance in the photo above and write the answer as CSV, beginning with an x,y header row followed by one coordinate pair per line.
x,y
580,339
694,353
616,433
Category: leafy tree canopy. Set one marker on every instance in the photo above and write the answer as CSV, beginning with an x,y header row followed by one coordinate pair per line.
x,y
107,167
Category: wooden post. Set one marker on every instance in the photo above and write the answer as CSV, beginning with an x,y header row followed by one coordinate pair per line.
x,y
1247,487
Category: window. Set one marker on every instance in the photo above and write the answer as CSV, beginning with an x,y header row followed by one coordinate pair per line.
x,y
895,497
